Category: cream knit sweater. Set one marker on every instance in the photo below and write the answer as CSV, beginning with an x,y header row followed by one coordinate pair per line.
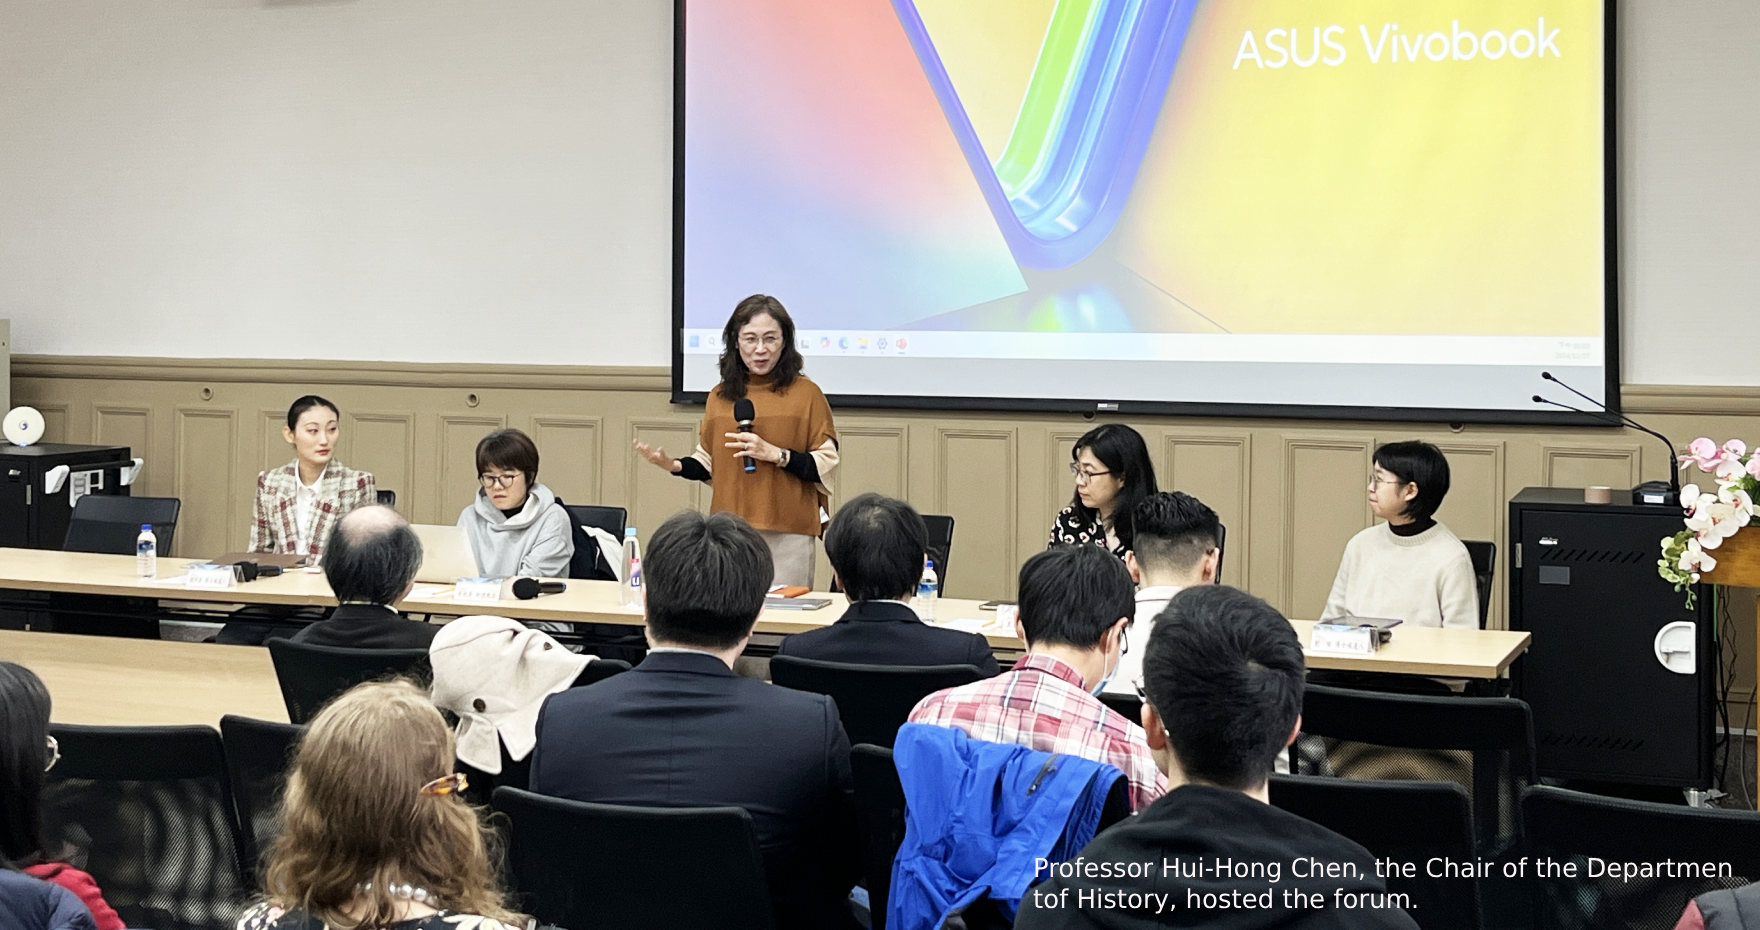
x,y
1424,580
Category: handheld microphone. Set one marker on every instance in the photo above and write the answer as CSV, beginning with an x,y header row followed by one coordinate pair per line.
x,y
527,588
743,412
1650,492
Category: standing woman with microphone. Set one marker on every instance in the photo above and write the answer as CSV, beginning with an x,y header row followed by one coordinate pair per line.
x,y
767,444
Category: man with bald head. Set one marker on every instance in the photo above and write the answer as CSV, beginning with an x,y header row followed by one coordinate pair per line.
x,y
371,562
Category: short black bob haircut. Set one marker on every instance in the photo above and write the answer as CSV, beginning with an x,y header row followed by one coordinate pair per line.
x,y
1175,530
510,449
1071,595
1123,452
706,577
305,403
1225,673
1417,462
877,545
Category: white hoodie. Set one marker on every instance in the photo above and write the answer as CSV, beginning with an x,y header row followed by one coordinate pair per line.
x,y
537,542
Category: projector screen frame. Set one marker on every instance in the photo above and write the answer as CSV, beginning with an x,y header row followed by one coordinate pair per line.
x,y
1110,408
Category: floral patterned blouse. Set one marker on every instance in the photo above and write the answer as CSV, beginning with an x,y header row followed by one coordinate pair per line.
x,y
1072,529
267,916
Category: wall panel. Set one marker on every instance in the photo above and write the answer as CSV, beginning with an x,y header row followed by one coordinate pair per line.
x,y
657,495
384,443
1326,502
132,426
1574,466
459,435
977,486
207,457
569,455
1216,469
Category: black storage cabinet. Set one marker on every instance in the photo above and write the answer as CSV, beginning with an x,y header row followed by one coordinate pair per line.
x,y
33,519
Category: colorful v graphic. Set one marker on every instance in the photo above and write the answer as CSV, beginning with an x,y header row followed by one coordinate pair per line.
x,y
1086,118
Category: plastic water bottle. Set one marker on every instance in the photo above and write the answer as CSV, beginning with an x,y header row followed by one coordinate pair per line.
x,y
629,590
146,552
928,590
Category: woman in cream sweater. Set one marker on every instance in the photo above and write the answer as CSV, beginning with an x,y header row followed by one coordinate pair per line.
x,y
1409,568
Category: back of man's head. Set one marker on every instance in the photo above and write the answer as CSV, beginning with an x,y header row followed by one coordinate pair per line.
x,y
372,556
1174,531
1071,595
876,545
706,577
1225,673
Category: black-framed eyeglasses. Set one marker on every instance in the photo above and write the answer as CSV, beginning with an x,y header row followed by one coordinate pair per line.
x,y
1082,474
498,481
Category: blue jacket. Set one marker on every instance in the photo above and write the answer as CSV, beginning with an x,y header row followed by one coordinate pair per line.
x,y
978,815
28,903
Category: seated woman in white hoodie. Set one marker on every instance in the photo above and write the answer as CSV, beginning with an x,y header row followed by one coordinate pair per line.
x,y
515,526
1409,568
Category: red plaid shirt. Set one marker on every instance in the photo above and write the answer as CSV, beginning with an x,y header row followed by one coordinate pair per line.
x,y
1041,704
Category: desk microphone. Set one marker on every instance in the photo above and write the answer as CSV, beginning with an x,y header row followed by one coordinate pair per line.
x,y
527,588
743,412
1650,492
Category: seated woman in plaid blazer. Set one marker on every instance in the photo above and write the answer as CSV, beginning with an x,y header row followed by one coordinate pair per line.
x,y
299,502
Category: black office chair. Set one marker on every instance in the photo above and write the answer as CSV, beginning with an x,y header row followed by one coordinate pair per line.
x,y
385,498
1484,744
312,675
872,700
258,756
598,670
940,529
612,520
1407,821
1570,826
1484,556
149,813
1128,706
110,524
611,867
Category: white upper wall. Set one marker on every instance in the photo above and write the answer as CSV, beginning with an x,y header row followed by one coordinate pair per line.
x,y
490,181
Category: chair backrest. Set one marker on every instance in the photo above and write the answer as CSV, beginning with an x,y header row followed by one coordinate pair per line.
x,y
940,527
1563,824
1484,556
1221,549
880,818
149,813
872,700
311,675
258,756
598,670
110,523
1129,706
612,867
1407,821
385,498
589,561
1486,744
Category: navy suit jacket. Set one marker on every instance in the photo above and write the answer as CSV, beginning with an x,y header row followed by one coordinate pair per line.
x,y
889,633
682,730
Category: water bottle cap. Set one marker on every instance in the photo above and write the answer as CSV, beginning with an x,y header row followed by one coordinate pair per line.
x,y
146,527
629,531
930,562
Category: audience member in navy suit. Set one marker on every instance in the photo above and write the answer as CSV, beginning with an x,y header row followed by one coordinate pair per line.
x,y
877,546
682,730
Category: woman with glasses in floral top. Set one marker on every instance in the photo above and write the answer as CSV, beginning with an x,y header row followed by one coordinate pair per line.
x,y
1113,474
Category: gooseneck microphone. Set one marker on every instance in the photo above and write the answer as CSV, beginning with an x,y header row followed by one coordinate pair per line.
x,y
743,412
527,588
1650,492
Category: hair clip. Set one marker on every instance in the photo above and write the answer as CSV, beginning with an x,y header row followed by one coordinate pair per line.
x,y
443,786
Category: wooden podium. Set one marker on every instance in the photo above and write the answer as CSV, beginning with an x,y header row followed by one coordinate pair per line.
x,y
1738,565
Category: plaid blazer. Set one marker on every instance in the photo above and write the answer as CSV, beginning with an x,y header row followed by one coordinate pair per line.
x,y
273,527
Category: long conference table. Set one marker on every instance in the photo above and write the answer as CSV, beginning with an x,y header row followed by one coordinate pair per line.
x,y
133,681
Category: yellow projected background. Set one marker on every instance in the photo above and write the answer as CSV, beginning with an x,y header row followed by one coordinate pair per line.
x,y
1362,196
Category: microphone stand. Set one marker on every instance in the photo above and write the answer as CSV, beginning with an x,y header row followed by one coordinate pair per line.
x,y
1673,494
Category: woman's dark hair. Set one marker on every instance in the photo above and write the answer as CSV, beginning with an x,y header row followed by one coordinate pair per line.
x,y
306,403
733,368
1415,461
509,448
24,735
1123,452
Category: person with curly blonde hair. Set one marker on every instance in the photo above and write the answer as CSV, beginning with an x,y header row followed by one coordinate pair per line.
x,y
376,834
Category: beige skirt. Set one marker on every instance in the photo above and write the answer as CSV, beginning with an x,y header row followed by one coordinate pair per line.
x,y
794,555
